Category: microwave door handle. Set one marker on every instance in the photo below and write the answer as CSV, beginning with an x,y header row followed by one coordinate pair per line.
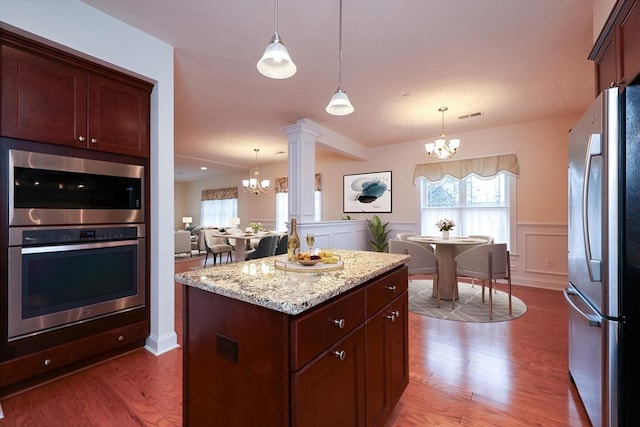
x,y
594,321
594,148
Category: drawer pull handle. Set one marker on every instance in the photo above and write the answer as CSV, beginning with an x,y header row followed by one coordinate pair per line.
x,y
47,362
393,315
391,288
121,338
82,139
94,141
340,354
339,323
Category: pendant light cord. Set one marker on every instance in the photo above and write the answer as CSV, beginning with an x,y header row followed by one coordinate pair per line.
x,y
275,19
340,51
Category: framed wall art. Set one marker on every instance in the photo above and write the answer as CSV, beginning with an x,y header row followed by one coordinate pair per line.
x,y
367,192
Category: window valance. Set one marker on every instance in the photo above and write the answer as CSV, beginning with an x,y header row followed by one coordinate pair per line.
x,y
282,184
484,167
220,194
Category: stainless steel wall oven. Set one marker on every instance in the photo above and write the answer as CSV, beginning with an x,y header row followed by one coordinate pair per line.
x,y
60,276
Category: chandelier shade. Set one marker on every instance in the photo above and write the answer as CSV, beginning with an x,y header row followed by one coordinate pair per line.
x,y
276,63
441,148
255,185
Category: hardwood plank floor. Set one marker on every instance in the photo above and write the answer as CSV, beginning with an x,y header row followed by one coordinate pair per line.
x,y
483,374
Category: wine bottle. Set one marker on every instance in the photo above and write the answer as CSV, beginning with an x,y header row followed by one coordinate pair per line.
x,y
293,244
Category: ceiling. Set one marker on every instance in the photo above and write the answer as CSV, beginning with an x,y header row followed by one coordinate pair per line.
x,y
511,60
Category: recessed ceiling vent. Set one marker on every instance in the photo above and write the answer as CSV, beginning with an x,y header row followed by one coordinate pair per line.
x,y
471,115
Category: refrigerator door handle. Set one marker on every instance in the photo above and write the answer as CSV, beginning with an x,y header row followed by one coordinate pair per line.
x,y
594,148
594,321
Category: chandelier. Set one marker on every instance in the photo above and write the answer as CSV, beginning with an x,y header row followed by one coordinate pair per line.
x,y
441,148
255,185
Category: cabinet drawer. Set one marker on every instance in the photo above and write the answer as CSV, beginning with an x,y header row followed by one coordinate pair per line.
x,y
384,290
313,333
49,360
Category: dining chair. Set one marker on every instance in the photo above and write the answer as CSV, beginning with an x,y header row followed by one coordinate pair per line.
x,y
488,263
281,247
422,261
215,245
487,239
404,237
266,247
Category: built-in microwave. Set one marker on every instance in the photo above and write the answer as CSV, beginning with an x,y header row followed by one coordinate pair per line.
x,y
49,189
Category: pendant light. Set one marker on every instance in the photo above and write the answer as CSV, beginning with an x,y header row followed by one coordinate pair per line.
x,y
276,62
340,104
441,148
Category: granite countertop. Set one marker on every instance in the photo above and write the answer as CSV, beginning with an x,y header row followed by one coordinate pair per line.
x,y
259,282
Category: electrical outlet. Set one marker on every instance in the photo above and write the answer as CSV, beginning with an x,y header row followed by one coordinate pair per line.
x,y
227,348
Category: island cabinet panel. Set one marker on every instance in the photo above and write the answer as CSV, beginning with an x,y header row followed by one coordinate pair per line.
x,y
236,363
52,97
330,365
331,390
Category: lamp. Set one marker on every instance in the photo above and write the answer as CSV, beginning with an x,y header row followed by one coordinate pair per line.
x,y
276,62
187,220
340,104
441,149
255,185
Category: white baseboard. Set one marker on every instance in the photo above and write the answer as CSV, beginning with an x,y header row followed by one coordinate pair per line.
x,y
159,345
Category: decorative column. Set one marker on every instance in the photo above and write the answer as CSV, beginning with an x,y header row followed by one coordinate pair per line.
x,y
302,171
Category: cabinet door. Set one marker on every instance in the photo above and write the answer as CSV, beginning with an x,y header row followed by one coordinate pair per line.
x,y
42,100
330,391
377,382
399,348
118,117
630,44
607,66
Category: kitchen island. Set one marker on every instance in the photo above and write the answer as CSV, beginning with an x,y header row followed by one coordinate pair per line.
x,y
268,347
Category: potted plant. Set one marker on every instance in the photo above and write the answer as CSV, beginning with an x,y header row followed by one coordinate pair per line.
x,y
380,233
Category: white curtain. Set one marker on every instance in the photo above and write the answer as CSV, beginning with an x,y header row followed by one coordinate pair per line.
x,y
217,213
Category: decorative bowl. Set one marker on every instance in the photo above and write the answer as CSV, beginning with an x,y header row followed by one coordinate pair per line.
x,y
308,262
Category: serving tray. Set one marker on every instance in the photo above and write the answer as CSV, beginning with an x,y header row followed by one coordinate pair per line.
x,y
286,265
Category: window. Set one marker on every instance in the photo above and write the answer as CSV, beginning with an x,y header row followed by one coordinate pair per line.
x,y
282,202
282,209
477,205
218,207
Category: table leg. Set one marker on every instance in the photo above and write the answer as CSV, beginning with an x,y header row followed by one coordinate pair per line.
x,y
445,255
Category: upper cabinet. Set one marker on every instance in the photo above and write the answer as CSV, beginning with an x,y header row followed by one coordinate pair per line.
x,y
53,97
617,51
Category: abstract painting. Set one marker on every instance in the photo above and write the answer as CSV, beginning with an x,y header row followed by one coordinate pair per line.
x,y
367,192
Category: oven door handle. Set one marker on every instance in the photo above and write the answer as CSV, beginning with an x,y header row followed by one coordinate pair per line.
x,y
78,246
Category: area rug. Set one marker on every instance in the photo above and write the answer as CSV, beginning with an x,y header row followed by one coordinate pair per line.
x,y
469,308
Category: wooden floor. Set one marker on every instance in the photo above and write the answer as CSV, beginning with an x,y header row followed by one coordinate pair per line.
x,y
501,374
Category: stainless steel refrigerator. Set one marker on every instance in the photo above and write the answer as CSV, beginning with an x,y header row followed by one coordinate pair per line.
x,y
604,258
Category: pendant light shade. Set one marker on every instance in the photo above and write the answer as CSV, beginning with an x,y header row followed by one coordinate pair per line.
x,y
340,105
276,62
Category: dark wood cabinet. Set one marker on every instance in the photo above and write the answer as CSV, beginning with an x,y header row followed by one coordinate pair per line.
x,y
334,364
331,390
49,98
616,53
387,347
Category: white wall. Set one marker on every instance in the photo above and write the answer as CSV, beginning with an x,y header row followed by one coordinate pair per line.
x,y
86,30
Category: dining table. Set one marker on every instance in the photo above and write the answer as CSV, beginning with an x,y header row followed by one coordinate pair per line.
x,y
241,241
446,252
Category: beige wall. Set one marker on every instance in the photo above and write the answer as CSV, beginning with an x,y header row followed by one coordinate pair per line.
x,y
541,148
